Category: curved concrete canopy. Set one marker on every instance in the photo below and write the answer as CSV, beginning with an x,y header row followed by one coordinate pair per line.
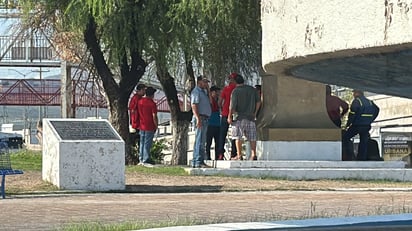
x,y
386,73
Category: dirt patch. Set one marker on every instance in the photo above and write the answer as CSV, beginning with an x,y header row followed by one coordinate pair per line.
x,y
31,181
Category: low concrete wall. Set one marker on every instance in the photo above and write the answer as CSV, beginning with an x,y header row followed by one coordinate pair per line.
x,y
393,110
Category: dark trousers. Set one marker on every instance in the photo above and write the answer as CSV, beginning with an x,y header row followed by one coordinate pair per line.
x,y
337,122
224,127
213,133
135,138
363,132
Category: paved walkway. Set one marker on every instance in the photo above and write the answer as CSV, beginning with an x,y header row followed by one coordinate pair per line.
x,y
49,212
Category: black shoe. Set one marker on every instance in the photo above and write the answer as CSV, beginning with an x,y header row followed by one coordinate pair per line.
x,y
203,166
150,161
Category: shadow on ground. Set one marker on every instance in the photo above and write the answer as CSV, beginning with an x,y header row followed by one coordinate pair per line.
x,y
129,189
172,189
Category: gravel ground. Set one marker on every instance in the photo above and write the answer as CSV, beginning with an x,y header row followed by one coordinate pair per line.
x,y
153,197
31,181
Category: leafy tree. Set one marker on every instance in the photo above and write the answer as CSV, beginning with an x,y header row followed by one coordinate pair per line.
x,y
113,40
121,37
233,40
198,31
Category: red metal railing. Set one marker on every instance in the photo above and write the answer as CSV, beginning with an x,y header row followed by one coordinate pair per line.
x,y
46,92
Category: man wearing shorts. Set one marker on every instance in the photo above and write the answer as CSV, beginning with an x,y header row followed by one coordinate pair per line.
x,y
244,104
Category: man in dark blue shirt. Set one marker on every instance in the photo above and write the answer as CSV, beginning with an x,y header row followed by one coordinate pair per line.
x,y
362,113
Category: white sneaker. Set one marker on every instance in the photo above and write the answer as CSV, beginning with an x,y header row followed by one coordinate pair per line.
x,y
140,163
148,165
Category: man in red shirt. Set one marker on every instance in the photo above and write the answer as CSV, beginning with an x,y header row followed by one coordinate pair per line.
x,y
134,114
148,125
133,104
336,107
224,102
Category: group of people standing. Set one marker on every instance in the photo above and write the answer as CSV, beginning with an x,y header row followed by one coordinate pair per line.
x,y
237,105
143,118
362,112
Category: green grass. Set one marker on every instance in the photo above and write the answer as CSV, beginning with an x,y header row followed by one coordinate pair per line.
x,y
313,213
26,160
98,226
158,169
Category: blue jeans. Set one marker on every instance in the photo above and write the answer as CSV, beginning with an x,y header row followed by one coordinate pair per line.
x,y
199,148
146,141
363,131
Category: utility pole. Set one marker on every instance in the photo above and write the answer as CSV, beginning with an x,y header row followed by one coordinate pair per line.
x,y
42,87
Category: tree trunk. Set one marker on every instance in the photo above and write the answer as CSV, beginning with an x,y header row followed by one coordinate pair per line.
x,y
119,118
180,141
179,120
117,94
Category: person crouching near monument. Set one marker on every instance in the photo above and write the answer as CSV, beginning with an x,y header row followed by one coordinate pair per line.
x,y
336,107
244,103
148,125
361,115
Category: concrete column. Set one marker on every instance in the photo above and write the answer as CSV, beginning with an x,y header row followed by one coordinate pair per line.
x,y
66,91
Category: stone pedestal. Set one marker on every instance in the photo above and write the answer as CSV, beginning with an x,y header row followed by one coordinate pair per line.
x,y
83,155
293,123
301,144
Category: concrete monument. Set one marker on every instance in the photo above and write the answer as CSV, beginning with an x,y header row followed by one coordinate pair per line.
x,y
81,154
357,44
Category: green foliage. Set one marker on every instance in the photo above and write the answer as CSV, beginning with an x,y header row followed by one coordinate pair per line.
x,y
347,96
8,4
26,160
124,36
156,152
224,35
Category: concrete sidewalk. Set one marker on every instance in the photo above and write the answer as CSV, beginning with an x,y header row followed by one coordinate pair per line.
x,y
370,223
51,212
